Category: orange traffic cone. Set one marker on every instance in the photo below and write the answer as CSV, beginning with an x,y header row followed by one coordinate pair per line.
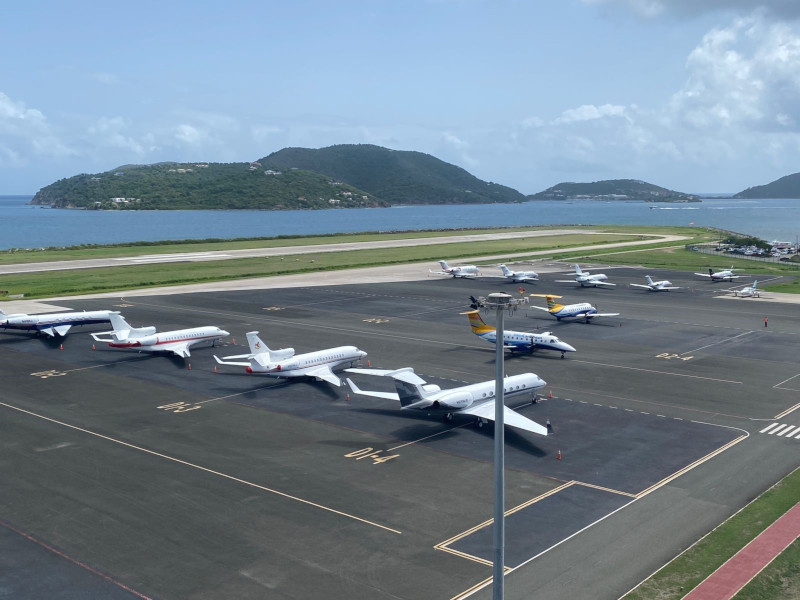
x,y
190,366
233,341
347,398
215,369
61,347
93,348
558,456
369,363
551,394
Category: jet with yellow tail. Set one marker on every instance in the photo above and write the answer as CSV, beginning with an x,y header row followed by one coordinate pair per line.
x,y
584,310
516,340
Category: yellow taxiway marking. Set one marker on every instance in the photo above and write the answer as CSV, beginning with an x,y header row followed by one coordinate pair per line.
x,y
204,469
605,489
787,411
478,586
427,437
587,362
263,387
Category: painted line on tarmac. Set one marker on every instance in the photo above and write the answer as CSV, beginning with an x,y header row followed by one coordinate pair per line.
x,y
263,387
786,412
777,386
658,372
204,469
717,342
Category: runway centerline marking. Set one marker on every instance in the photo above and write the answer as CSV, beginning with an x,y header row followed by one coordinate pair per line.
x,y
587,362
717,342
204,469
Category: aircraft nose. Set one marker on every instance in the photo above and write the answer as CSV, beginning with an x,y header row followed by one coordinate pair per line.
x,y
567,348
223,333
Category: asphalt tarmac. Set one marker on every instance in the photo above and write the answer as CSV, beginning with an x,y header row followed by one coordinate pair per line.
x,y
132,475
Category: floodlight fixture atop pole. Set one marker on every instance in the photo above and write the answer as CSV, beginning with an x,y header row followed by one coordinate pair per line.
x,y
501,302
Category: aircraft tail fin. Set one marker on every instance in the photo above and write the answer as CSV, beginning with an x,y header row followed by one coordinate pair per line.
x,y
506,271
478,325
710,271
256,345
444,265
119,323
755,284
649,280
578,269
408,393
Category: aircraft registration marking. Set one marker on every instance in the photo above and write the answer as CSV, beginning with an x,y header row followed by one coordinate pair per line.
x,y
371,453
376,320
669,356
47,374
179,407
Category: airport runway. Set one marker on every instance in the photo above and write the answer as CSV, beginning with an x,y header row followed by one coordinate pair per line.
x,y
143,257
132,476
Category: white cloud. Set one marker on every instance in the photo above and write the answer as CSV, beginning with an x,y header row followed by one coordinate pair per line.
x,y
112,133
187,134
590,112
26,135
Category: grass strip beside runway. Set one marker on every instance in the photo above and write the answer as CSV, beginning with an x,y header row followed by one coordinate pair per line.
x,y
689,569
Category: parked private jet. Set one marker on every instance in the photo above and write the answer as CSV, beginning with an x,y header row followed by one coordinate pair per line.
x,y
476,400
285,363
54,324
519,276
585,278
145,339
656,286
584,310
466,271
516,340
720,275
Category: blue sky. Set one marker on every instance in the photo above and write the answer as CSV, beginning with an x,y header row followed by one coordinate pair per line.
x,y
695,95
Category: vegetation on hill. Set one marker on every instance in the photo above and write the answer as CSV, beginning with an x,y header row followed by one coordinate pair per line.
x,y
399,177
785,187
613,189
202,186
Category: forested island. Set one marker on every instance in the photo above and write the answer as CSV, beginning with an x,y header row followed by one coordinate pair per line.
x,y
613,189
785,187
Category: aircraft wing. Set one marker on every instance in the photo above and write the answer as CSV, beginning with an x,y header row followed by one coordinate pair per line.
x,y
180,349
566,281
703,274
539,308
644,287
510,417
603,283
671,287
222,360
323,372
593,315
48,331
356,390
405,374
439,273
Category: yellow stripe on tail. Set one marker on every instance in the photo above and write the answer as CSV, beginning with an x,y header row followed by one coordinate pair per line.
x,y
477,323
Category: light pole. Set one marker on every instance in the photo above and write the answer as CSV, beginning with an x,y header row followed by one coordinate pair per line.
x,y
501,302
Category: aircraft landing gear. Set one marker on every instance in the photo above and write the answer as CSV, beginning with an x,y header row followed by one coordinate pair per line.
x,y
562,355
448,417
480,422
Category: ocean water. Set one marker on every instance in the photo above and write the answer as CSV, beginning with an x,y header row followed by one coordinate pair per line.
x,y
25,226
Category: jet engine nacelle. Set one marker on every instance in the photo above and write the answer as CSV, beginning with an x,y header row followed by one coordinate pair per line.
x,y
456,400
145,331
430,387
148,340
286,366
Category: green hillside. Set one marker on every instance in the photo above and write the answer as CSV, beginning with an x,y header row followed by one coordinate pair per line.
x,y
202,186
399,177
613,189
785,187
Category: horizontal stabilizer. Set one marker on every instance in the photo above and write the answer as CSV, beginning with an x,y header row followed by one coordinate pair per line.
x,y
222,361
602,315
548,295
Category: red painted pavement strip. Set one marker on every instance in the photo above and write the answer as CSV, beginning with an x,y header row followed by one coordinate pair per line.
x,y
726,581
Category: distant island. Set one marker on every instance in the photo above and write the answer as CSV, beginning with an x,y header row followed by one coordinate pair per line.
x,y
785,187
613,189
343,176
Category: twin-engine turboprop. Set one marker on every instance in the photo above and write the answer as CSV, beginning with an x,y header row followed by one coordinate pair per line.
x,y
656,286
748,291
725,274
145,339
466,271
584,310
54,324
285,363
516,340
586,278
476,400
519,276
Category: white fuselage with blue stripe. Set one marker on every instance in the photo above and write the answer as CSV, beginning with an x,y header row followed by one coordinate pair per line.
x,y
522,340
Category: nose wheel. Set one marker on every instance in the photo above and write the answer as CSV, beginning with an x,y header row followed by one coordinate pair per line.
x,y
562,355
480,422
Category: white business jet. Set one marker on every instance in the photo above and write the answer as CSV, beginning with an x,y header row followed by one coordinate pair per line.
x,y
584,310
656,286
145,339
285,363
466,271
54,324
476,400
585,278
519,276
720,275
516,340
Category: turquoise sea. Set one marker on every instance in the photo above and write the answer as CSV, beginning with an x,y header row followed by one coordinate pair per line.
x,y
25,226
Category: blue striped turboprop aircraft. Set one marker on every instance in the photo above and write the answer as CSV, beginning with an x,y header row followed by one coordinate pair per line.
x,y
584,310
586,278
476,400
516,340
319,364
